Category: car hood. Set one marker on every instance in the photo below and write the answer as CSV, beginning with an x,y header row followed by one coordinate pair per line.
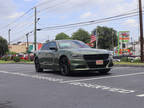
x,y
88,51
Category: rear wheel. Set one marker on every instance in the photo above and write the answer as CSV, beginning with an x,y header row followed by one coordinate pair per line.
x,y
37,66
104,71
64,66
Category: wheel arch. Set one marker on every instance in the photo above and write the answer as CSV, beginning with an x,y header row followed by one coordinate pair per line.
x,y
62,56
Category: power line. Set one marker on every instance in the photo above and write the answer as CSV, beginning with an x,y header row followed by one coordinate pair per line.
x,y
89,23
43,3
24,14
17,24
20,38
92,21
55,5
16,19
28,25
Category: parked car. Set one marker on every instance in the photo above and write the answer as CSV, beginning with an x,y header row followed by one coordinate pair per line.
x,y
67,56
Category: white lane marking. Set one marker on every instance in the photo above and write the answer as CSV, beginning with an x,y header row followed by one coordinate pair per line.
x,y
114,76
121,67
101,87
34,76
141,95
80,84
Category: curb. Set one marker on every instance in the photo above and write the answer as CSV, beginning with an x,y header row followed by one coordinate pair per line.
x,y
18,63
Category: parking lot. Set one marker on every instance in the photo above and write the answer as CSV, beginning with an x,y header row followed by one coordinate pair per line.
x,y
22,87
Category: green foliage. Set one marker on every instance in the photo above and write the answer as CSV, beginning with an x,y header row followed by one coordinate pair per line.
x,y
4,58
3,46
11,53
125,59
16,59
105,37
81,35
136,60
62,36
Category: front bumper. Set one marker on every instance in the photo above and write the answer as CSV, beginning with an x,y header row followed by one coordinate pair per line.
x,y
79,65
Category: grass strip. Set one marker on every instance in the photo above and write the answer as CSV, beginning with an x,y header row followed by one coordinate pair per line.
x,y
7,62
128,63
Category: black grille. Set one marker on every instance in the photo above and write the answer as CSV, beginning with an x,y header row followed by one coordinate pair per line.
x,y
91,60
92,64
96,57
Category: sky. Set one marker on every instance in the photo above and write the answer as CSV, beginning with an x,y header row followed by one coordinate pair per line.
x,y
60,12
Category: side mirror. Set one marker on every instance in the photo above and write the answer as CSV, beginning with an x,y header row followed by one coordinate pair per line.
x,y
53,48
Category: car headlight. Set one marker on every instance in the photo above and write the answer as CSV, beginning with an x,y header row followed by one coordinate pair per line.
x,y
77,56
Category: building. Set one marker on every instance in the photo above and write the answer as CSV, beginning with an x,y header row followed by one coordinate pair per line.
x,y
22,47
135,48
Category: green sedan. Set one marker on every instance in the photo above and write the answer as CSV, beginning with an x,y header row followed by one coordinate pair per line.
x,y
68,56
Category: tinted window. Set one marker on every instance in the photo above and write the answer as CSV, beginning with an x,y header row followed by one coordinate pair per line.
x,y
52,44
45,46
64,44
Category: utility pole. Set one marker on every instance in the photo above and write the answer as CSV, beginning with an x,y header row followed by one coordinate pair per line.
x,y
35,28
141,30
27,44
113,41
9,35
96,35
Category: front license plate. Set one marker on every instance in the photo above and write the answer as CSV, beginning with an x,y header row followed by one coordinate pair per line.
x,y
99,62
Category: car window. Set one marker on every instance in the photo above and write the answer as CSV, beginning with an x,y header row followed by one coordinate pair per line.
x,y
45,47
52,44
64,44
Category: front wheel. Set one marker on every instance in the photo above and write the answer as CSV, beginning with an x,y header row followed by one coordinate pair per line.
x,y
37,66
104,71
64,66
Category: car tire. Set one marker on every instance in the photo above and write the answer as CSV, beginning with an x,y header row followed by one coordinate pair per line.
x,y
104,71
37,66
64,66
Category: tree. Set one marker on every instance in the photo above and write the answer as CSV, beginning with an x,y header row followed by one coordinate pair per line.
x,y
3,46
81,35
107,37
62,36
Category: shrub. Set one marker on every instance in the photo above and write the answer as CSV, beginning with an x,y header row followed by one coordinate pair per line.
x,y
5,58
137,61
16,59
124,59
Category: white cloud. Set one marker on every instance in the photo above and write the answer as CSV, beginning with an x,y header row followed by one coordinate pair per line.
x,y
69,10
102,7
6,8
86,15
130,23
28,0
16,15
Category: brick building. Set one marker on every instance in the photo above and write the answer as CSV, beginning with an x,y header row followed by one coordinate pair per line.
x,y
22,47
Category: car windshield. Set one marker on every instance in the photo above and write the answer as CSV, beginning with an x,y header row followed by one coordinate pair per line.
x,y
65,44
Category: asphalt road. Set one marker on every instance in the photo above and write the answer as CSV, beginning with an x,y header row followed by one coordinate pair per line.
x,y
22,87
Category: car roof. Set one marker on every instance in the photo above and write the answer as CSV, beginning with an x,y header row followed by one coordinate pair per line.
x,y
66,40
61,40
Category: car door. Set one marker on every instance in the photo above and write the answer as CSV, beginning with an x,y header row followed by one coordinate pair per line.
x,y
41,54
50,55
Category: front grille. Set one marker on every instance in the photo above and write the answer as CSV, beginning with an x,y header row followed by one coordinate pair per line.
x,y
96,57
91,60
92,64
